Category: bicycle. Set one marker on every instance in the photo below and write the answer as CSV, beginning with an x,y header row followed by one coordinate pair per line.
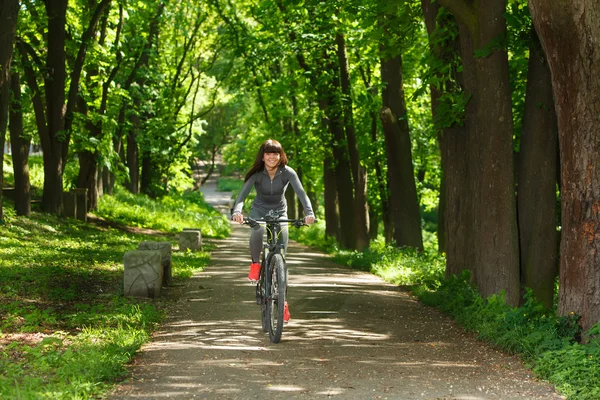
x,y
271,288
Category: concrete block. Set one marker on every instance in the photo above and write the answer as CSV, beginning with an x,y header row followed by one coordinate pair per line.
x,y
191,239
165,250
143,273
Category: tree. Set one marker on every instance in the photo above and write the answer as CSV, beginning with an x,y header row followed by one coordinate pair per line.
x,y
537,179
493,234
8,22
403,201
20,150
569,33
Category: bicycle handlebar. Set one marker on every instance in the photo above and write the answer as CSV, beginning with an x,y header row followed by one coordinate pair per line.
x,y
294,222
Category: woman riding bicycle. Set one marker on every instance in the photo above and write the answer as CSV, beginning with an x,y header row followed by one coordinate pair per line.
x,y
270,176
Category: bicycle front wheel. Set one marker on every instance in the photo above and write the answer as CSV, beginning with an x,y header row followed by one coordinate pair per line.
x,y
276,297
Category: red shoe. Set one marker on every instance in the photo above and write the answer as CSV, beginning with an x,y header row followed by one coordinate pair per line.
x,y
286,312
254,272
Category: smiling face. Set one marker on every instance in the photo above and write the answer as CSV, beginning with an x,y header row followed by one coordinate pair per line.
x,y
271,160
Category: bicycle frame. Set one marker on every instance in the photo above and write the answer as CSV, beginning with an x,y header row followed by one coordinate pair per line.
x,y
272,289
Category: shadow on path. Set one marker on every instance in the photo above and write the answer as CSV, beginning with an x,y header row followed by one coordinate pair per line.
x,y
352,336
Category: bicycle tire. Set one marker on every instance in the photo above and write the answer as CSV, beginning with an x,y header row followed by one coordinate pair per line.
x,y
260,288
276,297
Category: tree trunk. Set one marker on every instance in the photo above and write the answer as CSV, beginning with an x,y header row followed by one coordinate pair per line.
x,y
20,150
495,249
404,204
538,159
8,22
292,208
453,208
54,145
332,219
569,35
88,177
146,176
133,163
359,173
343,180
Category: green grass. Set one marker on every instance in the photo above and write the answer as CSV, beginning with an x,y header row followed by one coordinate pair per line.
x,y
66,330
171,213
230,185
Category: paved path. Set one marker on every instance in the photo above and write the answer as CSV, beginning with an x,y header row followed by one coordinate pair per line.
x,y
352,336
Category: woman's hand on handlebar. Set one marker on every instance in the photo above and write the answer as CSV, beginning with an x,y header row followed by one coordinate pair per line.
x,y
309,220
238,217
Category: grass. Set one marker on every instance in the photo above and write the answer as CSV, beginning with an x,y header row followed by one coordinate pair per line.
x,y
171,213
228,184
66,330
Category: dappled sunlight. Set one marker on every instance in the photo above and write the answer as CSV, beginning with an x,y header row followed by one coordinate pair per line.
x,y
351,335
284,388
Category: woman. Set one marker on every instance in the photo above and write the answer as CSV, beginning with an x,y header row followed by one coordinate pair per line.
x,y
270,176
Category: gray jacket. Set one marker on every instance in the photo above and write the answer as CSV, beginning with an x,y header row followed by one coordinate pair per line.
x,y
270,194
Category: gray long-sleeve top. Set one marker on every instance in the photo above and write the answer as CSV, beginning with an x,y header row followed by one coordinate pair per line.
x,y
270,193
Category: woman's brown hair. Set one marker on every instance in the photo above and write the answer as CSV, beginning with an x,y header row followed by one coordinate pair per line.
x,y
269,146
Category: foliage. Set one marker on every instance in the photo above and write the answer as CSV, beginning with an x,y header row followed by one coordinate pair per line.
x,y
548,342
65,329
171,213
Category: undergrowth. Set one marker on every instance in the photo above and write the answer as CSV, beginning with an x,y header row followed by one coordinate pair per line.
x,y
549,343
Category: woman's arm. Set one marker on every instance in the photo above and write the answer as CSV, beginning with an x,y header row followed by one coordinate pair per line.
x,y
239,202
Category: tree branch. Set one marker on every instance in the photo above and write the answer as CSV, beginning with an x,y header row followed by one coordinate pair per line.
x,y
464,12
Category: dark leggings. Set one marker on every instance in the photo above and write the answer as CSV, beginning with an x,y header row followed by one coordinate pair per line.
x,y
258,233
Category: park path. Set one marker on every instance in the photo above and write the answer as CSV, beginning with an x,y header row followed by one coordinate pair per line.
x,y
351,336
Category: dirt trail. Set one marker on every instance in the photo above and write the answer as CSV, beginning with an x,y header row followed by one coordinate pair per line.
x,y
352,336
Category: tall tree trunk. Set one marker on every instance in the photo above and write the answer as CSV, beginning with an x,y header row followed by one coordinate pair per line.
x,y
494,220
54,145
538,159
137,75
343,174
401,179
133,158
290,198
8,22
569,34
90,176
20,150
453,208
146,176
359,173
332,225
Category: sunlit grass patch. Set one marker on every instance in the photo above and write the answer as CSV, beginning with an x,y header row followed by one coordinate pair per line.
x,y
66,331
171,213
227,184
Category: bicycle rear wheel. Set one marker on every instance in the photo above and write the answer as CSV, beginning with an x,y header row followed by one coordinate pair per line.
x,y
276,297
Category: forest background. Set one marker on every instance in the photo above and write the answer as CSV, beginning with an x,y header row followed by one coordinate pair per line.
x,y
476,122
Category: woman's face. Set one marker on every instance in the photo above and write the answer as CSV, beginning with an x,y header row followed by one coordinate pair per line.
x,y
271,160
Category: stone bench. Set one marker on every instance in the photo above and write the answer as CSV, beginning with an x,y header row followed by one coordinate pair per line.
x,y
191,239
143,273
165,251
